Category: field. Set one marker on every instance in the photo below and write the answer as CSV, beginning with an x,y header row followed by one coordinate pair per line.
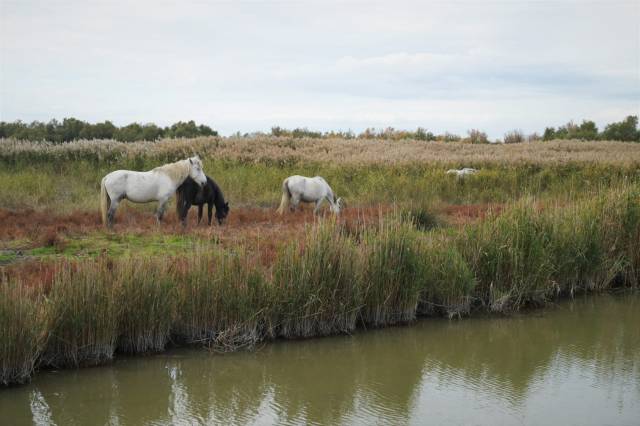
x,y
540,220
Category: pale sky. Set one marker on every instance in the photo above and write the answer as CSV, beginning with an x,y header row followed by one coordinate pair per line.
x,y
249,65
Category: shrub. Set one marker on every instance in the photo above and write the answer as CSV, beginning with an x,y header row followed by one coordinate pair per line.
x,y
514,136
476,136
625,130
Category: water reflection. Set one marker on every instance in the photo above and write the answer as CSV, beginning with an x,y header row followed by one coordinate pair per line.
x,y
577,363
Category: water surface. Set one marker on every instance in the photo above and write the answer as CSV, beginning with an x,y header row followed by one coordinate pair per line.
x,y
576,363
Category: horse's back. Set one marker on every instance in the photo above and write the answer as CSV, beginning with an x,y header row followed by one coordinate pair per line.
x,y
308,189
136,186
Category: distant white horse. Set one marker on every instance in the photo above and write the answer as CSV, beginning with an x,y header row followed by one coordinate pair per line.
x,y
308,190
462,172
158,184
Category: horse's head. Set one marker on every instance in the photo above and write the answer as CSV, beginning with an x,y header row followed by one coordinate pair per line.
x,y
222,212
195,171
338,206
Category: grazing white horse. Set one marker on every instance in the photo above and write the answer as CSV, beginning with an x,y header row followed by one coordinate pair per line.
x,y
308,190
158,184
462,172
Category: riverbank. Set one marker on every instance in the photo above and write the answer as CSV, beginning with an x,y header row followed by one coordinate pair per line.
x,y
513,369
339,276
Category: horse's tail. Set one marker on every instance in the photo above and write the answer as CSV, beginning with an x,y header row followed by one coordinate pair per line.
x,y
286,196
105,201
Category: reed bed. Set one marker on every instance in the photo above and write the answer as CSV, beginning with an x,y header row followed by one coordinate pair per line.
x,y
148,305
448,281
317,286
66,177
83,315
336,279
391,273
23,331
285,150
221,300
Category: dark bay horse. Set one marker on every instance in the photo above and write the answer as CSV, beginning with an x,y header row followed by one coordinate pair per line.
x,y
190,193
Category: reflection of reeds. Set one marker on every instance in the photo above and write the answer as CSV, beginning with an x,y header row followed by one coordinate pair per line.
x,y
382,274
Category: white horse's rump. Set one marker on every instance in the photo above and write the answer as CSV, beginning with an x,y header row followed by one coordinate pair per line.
x,y
296,189
158,184
462,172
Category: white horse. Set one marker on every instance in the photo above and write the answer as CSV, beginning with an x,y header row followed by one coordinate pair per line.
x,y
308,190
462,172
158,184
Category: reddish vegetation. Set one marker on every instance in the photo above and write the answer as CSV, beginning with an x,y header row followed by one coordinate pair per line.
x,y
259,230
31,273
461,214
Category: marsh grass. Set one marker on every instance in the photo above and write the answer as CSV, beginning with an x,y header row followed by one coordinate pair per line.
x,y
448,280
23,331
624,222
317,287
66,177
147,304
583,248
510,258
221,300
391,273
334,280
83,314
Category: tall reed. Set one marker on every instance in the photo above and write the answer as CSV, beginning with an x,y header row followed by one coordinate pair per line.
x,y
510,259
623,219
582,248
147,303
447,278
382,274
23,330
391,273
83,314
221,300
316,286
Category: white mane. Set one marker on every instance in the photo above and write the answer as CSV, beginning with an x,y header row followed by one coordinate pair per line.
x,y
177,171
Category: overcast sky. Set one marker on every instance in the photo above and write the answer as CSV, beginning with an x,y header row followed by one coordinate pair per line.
x,y
442,65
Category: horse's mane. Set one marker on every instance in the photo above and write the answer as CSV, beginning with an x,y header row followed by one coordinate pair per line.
x,y
177,171
218,198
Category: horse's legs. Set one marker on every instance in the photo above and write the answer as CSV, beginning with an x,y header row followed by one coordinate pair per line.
x,y
316,210
209,211
162,204
184,212
112,212
200,213
295,201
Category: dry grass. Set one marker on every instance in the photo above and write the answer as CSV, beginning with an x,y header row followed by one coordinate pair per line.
x,y
339,151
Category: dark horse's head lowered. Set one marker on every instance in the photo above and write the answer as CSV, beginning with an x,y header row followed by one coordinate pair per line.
x,y
190,193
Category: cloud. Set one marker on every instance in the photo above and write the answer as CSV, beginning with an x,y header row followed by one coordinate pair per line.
x,y
326,65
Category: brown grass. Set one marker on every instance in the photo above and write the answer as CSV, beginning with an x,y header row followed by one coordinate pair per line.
x,y
334,150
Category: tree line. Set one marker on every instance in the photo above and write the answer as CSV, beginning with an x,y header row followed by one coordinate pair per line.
x,y
73,129
625,130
